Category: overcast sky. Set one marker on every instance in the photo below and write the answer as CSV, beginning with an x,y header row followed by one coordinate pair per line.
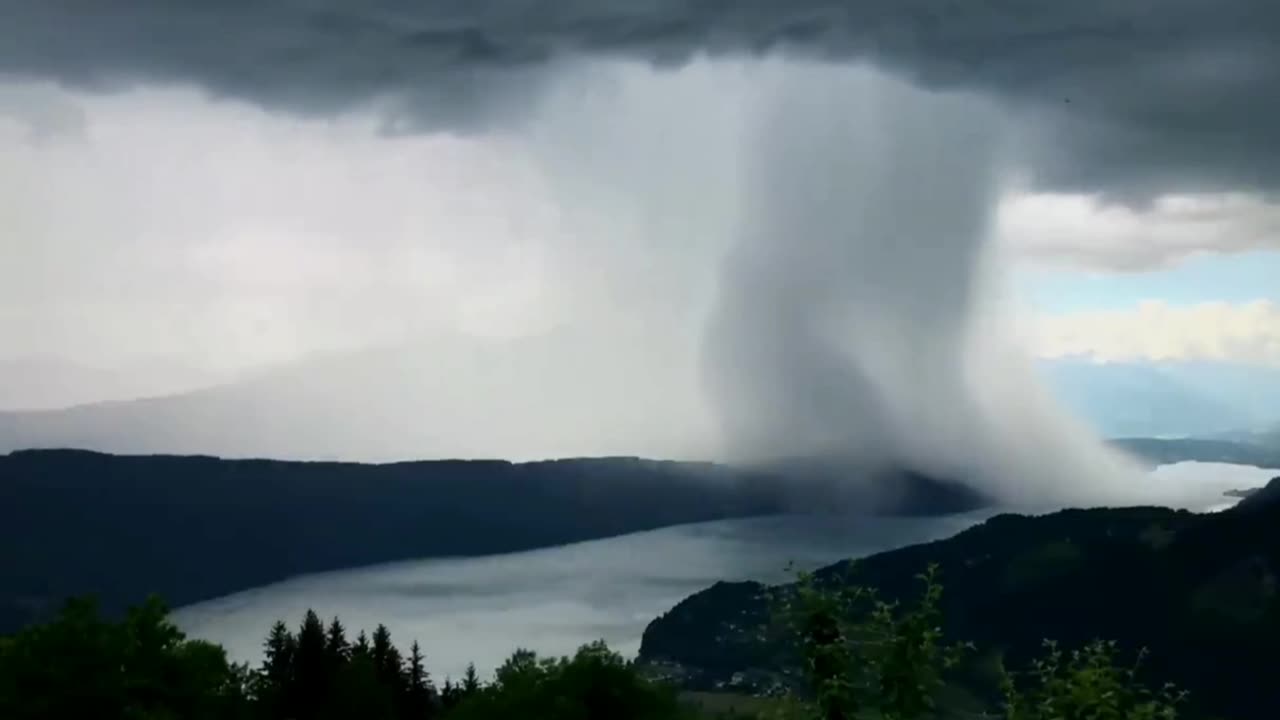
x,y
127,239
187,193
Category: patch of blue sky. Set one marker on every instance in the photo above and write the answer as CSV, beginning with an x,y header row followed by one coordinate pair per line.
x,y
1205,277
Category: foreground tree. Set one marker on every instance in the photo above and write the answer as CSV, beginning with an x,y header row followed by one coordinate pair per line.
x,y
595,684
336,647
317,674
420,697
861,654
80,666
1086,683
470,681
863,657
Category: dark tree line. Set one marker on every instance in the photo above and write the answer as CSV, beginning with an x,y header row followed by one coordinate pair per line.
x,y
860,658
143,668
316,673
319,673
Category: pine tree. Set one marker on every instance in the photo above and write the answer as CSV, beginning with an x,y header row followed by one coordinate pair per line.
x,y
278,670
386,659
381,649
449,695
418,676
277,665
394,672
470,681
361,647
336,641
311,668
336,647
421,698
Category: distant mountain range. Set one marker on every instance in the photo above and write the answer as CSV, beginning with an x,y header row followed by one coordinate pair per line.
x,y
440,398
466,397
1186,399
44,382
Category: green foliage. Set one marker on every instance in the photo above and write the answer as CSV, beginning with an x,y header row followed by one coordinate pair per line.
x,y
862,658
1085,684
470,681
142,668
82,666
866,658
862,654
595,684
316,673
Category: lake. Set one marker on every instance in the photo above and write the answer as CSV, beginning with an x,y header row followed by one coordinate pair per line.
x,y
555,599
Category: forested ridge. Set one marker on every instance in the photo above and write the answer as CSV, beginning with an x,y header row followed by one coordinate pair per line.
x,y
124,527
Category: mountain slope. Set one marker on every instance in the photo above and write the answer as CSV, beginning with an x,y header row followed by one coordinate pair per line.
x,y
1188,587
563,394
48,382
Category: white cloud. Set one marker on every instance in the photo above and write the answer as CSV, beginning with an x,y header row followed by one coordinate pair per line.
x,y
169,223
1084,232
215,234
1157,331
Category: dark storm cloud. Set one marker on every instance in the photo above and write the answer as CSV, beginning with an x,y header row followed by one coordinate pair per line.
x,y
1135,93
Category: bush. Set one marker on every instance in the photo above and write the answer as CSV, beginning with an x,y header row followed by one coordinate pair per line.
x,y
80,666
1086,683
863,657
596,683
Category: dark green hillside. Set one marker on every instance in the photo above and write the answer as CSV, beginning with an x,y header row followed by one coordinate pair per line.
x,y
1188,587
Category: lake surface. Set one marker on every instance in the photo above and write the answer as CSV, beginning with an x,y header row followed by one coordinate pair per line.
x,y
555,599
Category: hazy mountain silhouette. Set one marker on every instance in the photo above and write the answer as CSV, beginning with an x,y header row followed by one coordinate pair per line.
x,y
1166,399
454,396
561,394
46,382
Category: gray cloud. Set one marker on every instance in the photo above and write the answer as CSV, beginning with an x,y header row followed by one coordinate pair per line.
x,y
131,239
886,343
1136,95
1084,233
